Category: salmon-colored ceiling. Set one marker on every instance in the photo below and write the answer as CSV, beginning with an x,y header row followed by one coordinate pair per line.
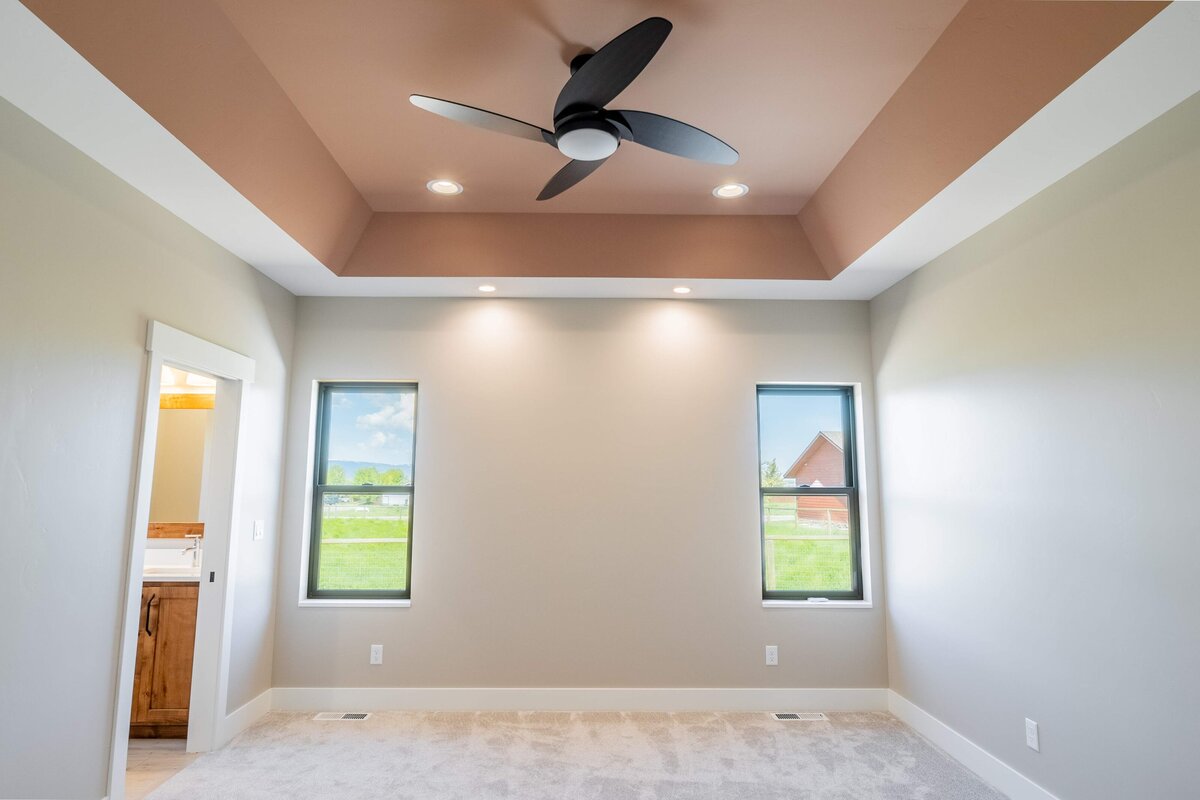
x,y
849,114
790,83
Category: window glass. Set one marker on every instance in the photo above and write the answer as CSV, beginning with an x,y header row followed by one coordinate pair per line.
x,y
801,439
369,436
806,542
364,542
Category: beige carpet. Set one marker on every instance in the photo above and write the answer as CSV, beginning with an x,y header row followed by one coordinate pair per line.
x,y
603,756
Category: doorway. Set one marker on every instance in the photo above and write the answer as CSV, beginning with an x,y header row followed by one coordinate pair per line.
x,y
172,687
172,565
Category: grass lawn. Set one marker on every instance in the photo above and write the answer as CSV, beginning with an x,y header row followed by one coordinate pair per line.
x,y
820,564
808,564
363,565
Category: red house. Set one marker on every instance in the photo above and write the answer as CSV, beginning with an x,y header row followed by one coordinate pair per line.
x,y
822,463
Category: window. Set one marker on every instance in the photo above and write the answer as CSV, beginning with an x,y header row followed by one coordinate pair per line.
x,y
361,538
808,493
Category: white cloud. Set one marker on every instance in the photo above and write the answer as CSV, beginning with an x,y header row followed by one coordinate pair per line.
x,y
381,439
398,414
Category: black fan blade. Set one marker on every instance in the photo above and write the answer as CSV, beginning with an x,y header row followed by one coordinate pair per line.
x,y
568,176
614,66
677,138
481,119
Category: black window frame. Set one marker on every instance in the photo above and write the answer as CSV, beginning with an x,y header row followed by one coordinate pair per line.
x,y
850,490
320,489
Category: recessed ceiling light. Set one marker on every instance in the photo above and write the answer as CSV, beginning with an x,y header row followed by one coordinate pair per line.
x,y
681,290
443,186
728,191
487,287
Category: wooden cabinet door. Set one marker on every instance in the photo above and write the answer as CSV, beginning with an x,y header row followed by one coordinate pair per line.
x,y
162,682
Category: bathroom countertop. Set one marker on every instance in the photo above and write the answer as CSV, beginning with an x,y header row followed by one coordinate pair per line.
x,y
170,575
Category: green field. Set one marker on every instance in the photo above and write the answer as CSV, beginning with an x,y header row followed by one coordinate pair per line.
x,y
807,565
363,565
818,564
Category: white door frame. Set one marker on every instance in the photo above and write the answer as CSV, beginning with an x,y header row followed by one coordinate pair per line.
x,y
210,666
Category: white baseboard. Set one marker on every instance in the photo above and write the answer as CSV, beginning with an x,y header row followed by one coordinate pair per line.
x,y
972,756
483,699
243,718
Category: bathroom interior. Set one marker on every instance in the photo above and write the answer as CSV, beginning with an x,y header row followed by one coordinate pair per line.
x,y
171,573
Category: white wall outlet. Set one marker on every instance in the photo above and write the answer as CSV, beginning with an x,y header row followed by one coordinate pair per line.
x,y
376,654
260,527
1031,735
772,655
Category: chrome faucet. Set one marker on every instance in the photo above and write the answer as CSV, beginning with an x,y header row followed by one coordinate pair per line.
x,y
193,548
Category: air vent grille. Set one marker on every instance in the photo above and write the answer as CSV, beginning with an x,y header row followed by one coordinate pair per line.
x,y
800,716
340,716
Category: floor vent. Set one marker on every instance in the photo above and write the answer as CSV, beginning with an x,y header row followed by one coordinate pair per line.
x,y
340,716
801,716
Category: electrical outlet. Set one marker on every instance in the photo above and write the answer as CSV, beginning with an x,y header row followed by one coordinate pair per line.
x,y
259,527
772,655
376,654
1032,740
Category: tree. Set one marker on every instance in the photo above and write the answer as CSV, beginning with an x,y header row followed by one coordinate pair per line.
x,y
770,474
335,475
366,475
393,477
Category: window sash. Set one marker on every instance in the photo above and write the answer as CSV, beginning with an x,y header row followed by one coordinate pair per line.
x,y
849,491
855,592
320,490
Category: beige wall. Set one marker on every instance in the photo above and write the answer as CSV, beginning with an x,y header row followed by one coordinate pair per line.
x,y
586,495
1038,389
179,464
85,261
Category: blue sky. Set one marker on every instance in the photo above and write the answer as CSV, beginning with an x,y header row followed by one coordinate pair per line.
x,y
787,423
378,426
372,426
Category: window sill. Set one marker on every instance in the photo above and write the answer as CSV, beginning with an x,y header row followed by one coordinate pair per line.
x,y
357,603
817,604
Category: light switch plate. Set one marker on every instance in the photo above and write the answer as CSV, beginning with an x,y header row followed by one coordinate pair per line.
x,y
259,527
1032,739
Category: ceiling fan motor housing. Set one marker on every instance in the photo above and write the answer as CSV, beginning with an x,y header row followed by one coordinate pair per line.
x,y
587,138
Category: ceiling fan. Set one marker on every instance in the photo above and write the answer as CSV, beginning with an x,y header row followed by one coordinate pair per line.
x,y
584,130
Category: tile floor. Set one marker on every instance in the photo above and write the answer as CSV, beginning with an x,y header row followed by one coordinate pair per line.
x,y
151,762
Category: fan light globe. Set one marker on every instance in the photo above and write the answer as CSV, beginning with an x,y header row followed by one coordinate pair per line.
x,y
588,141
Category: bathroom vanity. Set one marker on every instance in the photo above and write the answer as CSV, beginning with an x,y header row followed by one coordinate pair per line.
x,y
162,681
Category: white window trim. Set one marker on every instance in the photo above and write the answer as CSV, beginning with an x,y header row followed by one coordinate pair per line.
x,y
866,488
817,604
333,603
